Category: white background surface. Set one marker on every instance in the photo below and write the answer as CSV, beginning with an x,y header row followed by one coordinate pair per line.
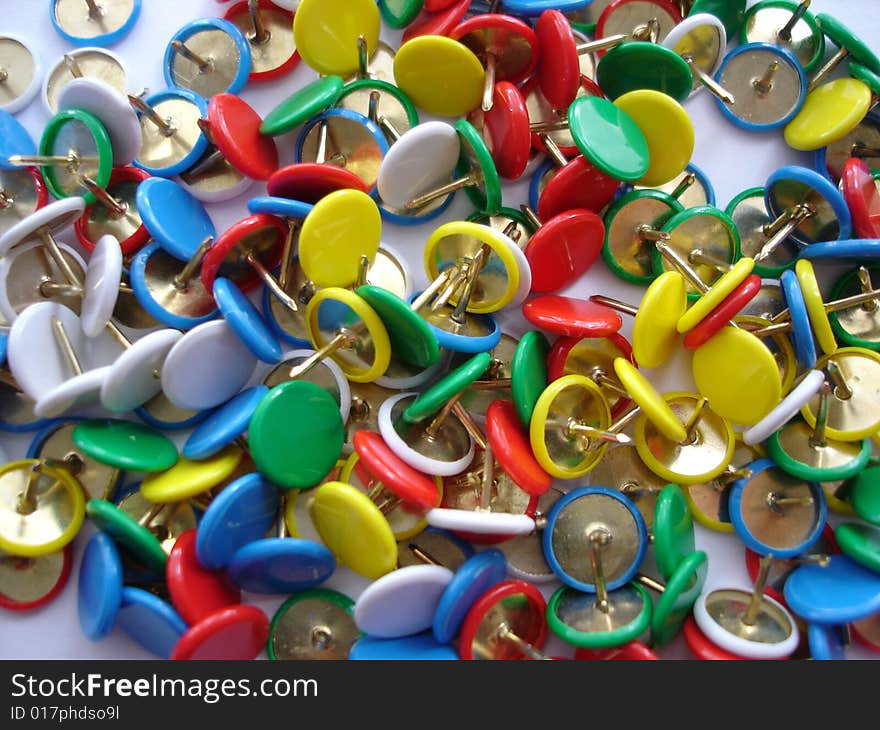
x,y
732,158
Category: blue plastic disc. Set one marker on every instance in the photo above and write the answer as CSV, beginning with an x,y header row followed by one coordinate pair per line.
x,y
150,621
812,179
175,219
243,512
741,521
470,581
3,340
137,279
532,8
825,643
625,574
535,183
281,565
802,330
212,24
850,249
23,426
281,207
246,322
99,594
201,143
191,422
703,179
786,58
272,320
463,343
224,425
14,140
839,593
421,647
102,39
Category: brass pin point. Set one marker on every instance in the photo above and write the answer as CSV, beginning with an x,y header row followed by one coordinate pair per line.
x,y
706,80
751,614
506,634
817,438
764,84
72,66
599,538
95,10
205,64
785,31
260,35
363,57
182,280
147,111
841,388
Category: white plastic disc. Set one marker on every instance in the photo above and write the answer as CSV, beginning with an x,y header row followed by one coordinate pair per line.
x,y
217,194
787,409
94,62
17,93
392,253
133,378
56,217
400,376
77,392
7,264
342,385
423,159
403,602
206,367
481,523
35,360
525,273
101,287
738,645
113,111
692,25
410,455
304,525
290,5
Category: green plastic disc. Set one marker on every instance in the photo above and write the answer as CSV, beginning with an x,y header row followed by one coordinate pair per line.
x,y
843,37
861,543
75,131
749,214
296,434
857,326
673,530
809,53
125,445
641,65
730,12
681,592
529,373
302,105
576,619
136,539
315,607
864,493
412,340
400,13
382,87
440,393
475,157
790,448
866,76
621,251
609,138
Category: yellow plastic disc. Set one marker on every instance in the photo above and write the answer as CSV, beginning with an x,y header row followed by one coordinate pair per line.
x,y
500,273
187,479
830,112
326,31
297,503
667,129
654,335
561,455
717,293
697,509
649,400
738,375
58,514
782,350
440,75
342,227
354,529
360,321
815,306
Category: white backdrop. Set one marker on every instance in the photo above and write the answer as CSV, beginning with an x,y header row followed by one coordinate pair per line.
x,y
732,158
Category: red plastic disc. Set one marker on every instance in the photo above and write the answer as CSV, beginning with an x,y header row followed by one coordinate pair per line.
x,y
730,306
309,182
701,647
632,651
241,9
137,240
510,445
441,22
243,275
506,130
435,6
235,129
589,88
39,186
534,634
577,185
398,477
497,33
862,197
664,5
859,636
237,632
558,72
563,248
24,564
572,317
196,592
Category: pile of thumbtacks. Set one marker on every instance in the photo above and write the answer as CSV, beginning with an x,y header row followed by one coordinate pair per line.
x,y
332,416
